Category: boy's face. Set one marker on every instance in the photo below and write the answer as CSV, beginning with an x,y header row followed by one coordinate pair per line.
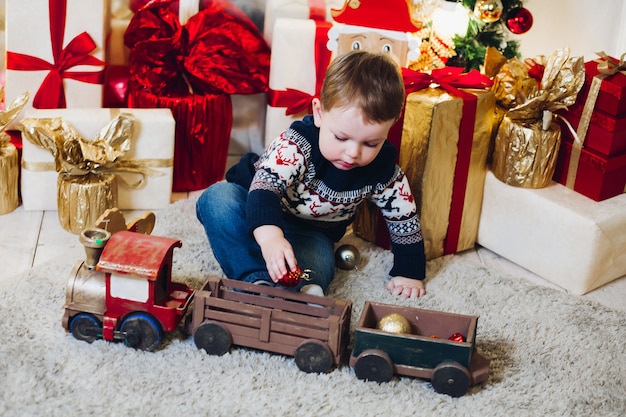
x,y
347,140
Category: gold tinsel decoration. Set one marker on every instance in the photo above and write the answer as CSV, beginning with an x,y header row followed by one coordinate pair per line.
x,y
434,51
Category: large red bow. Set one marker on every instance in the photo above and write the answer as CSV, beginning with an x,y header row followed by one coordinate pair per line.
x,y
51,93
448,78
218,51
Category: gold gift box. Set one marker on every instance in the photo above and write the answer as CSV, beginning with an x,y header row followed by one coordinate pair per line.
x,y
428,156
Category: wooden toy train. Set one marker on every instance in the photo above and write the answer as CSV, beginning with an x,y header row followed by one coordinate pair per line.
x,y
123,291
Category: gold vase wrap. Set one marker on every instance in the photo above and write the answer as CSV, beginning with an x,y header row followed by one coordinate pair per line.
x,y
89,170
528,139
9,162
9,172
428,155
527,158
83,198
512,86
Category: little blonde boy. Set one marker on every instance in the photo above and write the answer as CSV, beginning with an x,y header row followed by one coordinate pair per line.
x,y
288,206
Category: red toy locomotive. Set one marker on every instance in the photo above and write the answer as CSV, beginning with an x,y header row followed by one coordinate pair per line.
x,y
123,291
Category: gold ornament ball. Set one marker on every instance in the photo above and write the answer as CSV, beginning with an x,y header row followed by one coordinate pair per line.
x,y
394,323
488,11
347,257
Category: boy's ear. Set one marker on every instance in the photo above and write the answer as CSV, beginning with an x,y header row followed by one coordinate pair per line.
x,y
316,105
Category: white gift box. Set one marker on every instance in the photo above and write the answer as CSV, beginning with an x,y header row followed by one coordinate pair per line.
x,y
153,140
293,9
28,32
564,237
292,65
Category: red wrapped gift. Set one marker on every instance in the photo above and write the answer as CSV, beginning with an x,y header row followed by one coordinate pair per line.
x,y
596,176
193,68
606,134
612,91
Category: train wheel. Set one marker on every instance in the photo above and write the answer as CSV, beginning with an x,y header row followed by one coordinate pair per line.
x,y
86,327
374,365
213,338
451,378
313,356
141,332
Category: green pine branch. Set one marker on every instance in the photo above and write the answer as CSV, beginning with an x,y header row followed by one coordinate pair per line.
x,y
471,47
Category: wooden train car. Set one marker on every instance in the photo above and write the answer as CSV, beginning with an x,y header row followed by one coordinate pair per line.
x,y
426,351
314,330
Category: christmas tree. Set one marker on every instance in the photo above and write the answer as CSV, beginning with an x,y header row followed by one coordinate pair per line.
x,y
490,23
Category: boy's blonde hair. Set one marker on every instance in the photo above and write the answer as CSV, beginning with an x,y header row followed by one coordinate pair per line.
x,y
371,81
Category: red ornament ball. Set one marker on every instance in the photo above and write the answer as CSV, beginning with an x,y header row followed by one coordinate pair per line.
x,y
293,278
457,337
519,20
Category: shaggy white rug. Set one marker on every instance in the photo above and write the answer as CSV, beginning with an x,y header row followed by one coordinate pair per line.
x,y
551,354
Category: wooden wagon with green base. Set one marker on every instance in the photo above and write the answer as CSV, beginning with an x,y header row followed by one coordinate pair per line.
x,y
426,352
314,330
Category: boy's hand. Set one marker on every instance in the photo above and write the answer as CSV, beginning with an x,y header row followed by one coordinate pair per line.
x,y
276,250
406,287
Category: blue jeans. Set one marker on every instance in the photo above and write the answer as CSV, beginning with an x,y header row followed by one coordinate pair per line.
x,y
222,211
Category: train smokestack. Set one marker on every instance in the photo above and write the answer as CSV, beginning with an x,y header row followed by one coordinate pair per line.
x,y
93,239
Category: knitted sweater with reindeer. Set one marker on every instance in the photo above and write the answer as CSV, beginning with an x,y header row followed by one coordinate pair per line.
x,y
292,182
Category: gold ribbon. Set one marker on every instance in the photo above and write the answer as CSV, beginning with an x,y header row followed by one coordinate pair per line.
x,y
606,68
16,106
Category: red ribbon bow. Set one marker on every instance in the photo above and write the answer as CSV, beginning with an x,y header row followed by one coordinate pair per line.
x,y
51,93
448,78
218,51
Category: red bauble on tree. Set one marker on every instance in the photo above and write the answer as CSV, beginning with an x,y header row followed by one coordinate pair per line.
x,y
519,20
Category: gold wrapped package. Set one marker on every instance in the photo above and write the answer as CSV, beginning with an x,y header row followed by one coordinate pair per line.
x,y
525,155
9,168
151,148
9,172
528,139
446,175
83,198
511,85
87,169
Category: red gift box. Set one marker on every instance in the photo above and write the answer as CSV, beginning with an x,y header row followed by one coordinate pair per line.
x,y
597,176
612,96
192,68
203,125
606,134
